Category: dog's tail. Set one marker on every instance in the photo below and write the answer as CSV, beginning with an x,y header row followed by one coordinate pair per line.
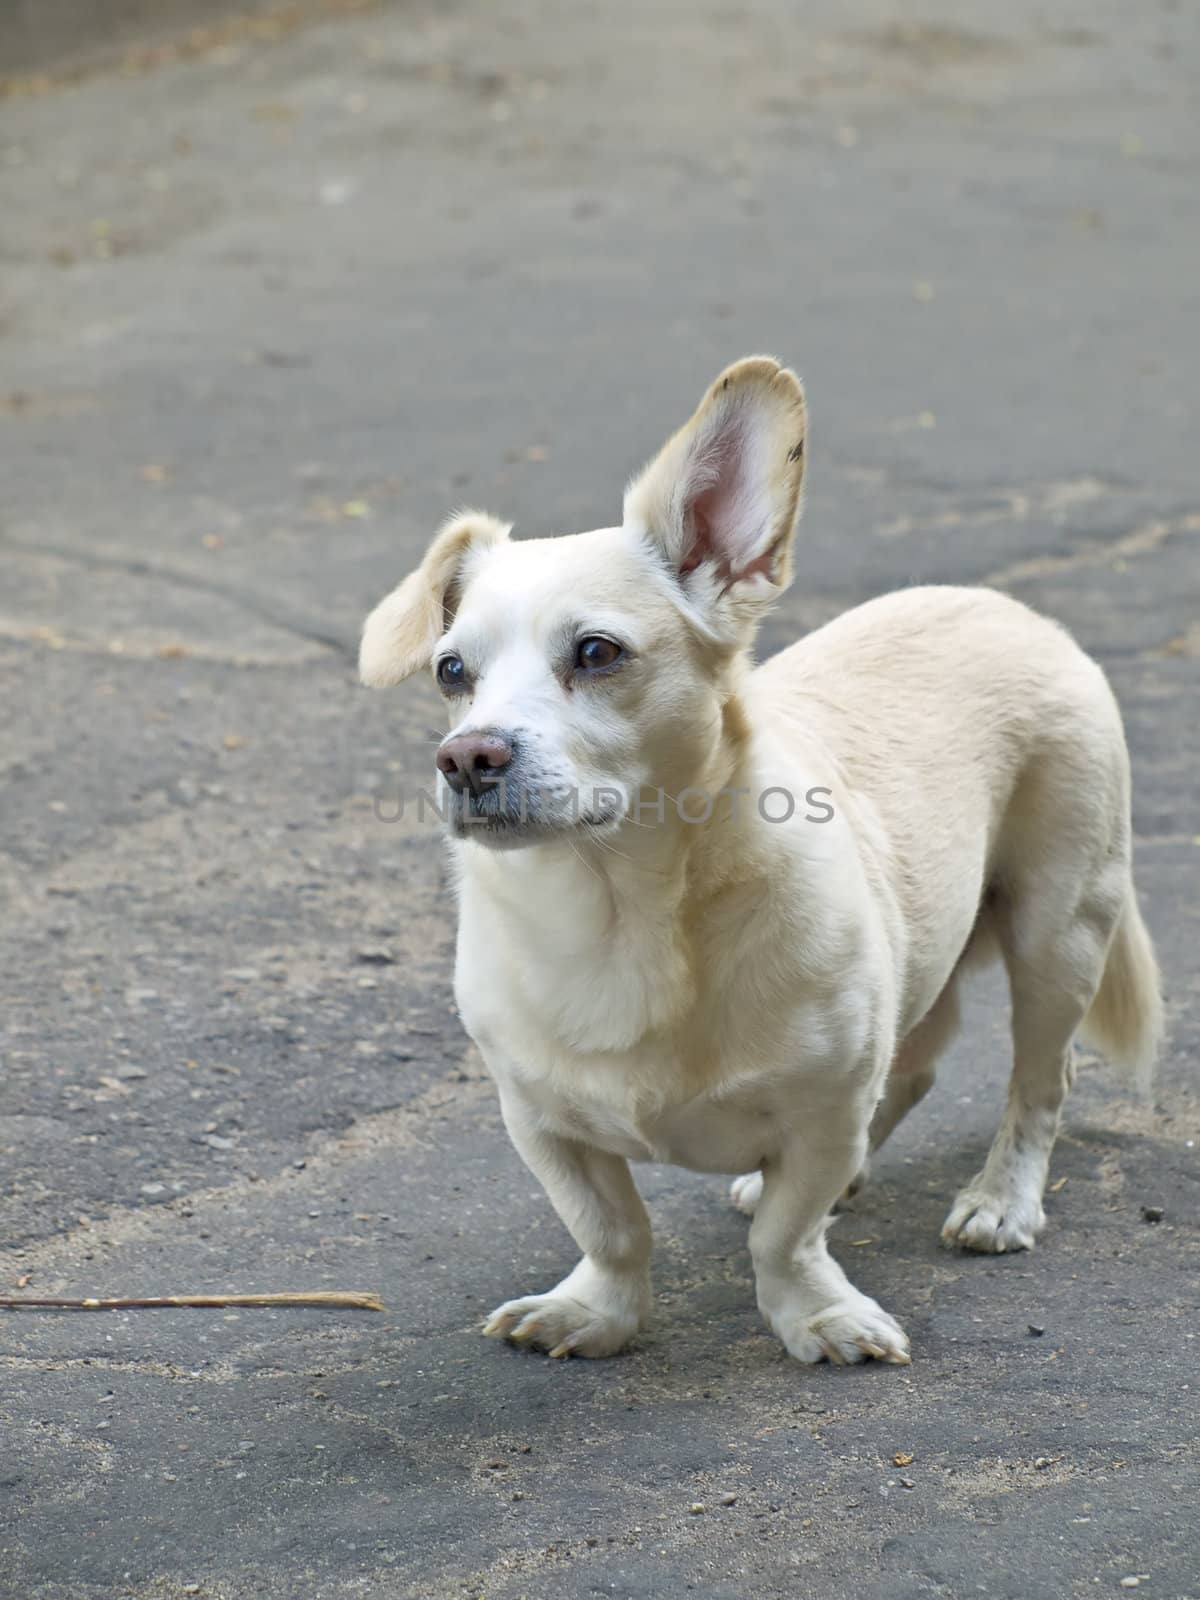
x,y
1126,1018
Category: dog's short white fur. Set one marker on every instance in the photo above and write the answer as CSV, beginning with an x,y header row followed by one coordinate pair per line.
x,y
751,995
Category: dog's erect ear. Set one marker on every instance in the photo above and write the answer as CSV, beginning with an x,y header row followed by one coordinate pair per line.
x,y
399,635
722,496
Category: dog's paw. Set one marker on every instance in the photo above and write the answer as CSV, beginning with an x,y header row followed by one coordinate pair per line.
x,y
560,1325
851,1329
746,1192
993,1223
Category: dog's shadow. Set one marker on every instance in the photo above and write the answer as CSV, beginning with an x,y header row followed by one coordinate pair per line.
x,y
888,1237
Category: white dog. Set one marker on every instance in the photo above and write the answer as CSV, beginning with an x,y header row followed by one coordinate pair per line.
x,y
716,914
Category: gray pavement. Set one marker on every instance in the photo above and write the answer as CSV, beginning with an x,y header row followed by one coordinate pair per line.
x,y
274,300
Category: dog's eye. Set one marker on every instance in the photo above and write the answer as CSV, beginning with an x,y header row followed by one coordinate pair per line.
x,y
595,654
451,673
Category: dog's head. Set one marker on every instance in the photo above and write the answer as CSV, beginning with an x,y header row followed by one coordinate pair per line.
x,y
581,671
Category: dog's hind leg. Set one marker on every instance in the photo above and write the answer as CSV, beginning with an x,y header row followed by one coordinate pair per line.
x,y
913,1070
1055,931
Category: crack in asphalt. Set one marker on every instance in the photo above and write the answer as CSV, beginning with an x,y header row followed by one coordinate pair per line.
x,y
395,1129
285,618
1146,539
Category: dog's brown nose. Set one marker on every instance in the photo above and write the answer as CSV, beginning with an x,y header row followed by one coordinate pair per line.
x,y
473,760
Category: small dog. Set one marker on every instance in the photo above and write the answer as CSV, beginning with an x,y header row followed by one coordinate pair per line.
x,y
717,914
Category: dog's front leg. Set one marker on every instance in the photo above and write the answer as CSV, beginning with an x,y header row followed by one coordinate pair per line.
x,y
598,1307
802,1292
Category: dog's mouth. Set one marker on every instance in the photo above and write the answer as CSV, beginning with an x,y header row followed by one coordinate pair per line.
x,y
506,815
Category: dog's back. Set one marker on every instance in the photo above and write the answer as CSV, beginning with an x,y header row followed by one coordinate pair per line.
x,y
933,701
991,749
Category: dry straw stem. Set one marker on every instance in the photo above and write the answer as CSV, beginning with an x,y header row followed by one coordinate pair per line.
x,y
331,1301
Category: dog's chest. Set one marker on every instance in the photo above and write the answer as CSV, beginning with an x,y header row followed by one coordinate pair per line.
x,y
599,1062
646,1045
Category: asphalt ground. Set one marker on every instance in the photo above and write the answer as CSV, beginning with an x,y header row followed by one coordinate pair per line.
x,y
273,299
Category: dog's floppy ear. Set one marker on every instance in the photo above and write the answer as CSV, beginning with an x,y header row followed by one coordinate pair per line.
x,y
722,497
399,635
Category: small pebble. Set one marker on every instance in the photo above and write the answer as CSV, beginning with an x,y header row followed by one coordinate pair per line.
x,y
375,956
1151,1214
697,1508
1036,1330
729,1499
